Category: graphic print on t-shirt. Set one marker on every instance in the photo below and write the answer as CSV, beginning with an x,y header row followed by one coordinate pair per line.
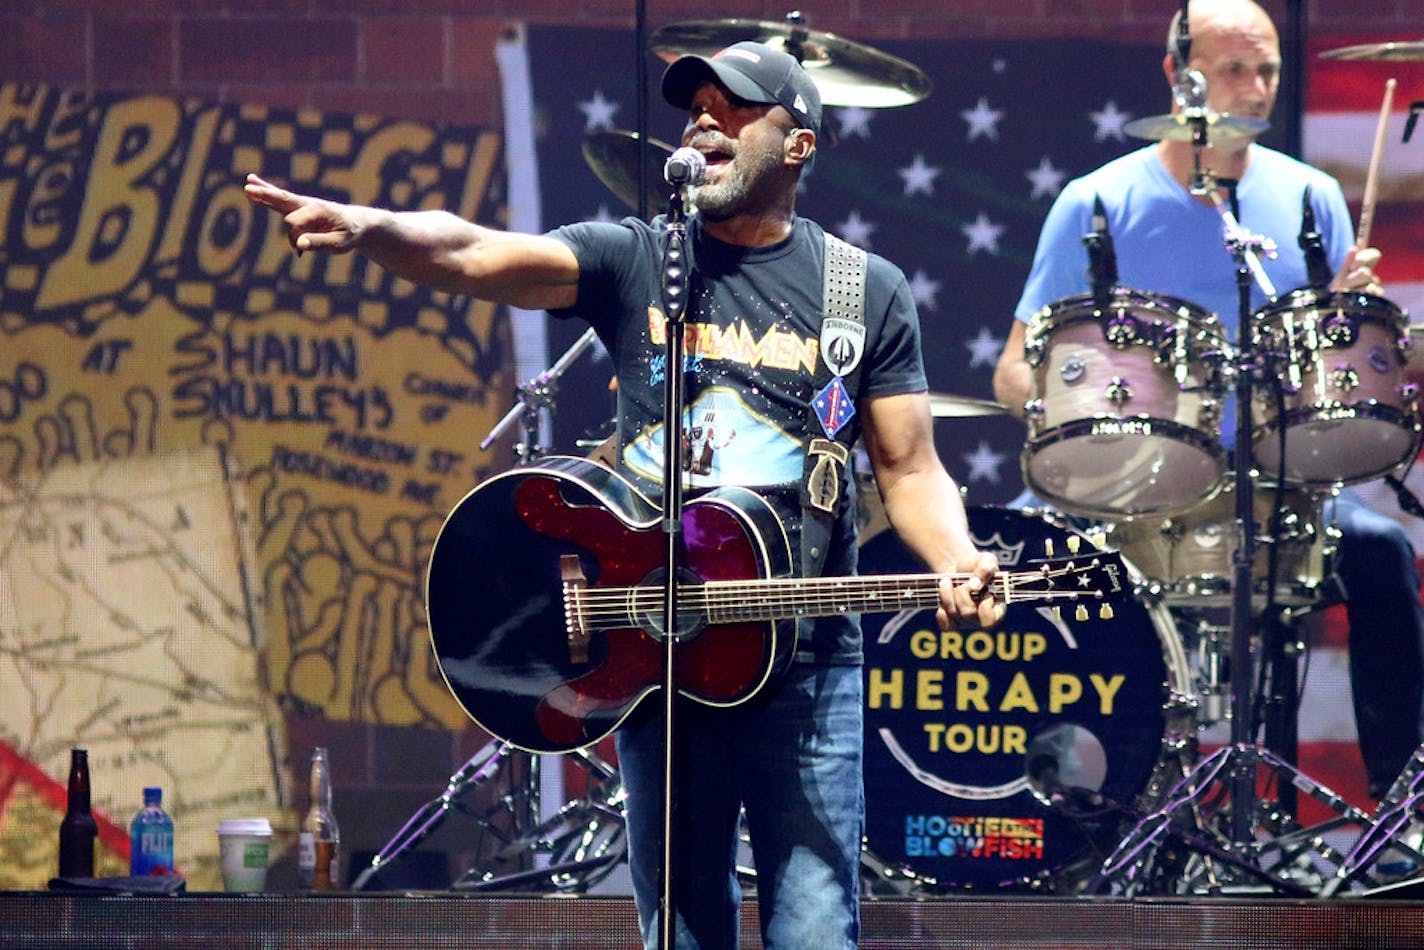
x,y
724,442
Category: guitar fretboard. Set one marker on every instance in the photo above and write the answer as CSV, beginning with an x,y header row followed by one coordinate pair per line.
x,y
740,601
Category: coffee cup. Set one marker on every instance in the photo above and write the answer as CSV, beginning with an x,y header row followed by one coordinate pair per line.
x,y
244,845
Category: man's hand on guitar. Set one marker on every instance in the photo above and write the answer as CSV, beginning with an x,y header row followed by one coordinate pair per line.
x,y
971,602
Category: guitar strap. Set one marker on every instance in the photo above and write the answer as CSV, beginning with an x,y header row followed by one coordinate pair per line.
x,y
836,385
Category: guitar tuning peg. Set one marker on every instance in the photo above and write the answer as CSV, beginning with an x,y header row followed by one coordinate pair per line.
x,y
1105,612
1081,614
1058,614
1074,542
1048,547
1098,538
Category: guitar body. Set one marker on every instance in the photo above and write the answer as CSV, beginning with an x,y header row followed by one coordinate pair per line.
x,y
495,596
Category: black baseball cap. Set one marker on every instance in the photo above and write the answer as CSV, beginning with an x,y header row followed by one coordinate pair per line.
x,y
751,71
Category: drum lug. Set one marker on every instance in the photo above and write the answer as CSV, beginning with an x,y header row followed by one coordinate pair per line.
x,y
1033,351
1118,392
1034,410
1209,413
1122,330
1339,330
1344,378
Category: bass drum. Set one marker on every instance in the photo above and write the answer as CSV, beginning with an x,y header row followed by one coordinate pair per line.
x,y
956,721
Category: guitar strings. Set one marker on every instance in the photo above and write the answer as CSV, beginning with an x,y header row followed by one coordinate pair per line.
x,y
613,607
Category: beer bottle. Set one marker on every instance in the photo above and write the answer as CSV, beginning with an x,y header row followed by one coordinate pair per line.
x,y
78,829
319,854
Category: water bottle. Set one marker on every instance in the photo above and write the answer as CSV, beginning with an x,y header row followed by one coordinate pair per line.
x,y
319,844
151,837
78,829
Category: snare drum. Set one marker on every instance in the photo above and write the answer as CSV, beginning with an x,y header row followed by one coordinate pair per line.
x,y
1190,554
1348,416
954,721
1125,411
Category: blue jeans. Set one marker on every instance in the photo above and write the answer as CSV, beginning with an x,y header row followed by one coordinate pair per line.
x,y
1376,566
792,758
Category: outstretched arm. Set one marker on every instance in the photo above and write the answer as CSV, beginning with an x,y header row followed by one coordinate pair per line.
x,y
432,248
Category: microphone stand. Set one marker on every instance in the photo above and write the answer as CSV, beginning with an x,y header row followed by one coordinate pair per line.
x,y
675,281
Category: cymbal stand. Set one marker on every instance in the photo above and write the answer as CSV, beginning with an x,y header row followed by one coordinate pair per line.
x,y
585,838
483,766
532,400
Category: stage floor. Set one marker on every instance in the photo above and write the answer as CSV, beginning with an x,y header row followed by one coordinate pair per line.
x,y
409,920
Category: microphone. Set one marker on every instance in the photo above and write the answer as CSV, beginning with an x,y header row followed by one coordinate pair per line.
x,y
1190,88
1316,264
684,167
1102,257
1183,50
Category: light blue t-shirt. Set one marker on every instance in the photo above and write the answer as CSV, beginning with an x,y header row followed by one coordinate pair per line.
x,y
1168,242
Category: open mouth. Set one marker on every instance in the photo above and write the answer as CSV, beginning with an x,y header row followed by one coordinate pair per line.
x,y
716,161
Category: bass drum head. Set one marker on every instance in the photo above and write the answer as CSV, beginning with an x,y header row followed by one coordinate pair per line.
x,y
954,720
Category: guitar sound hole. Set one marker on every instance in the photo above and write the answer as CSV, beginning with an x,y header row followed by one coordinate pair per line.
x,y
651,595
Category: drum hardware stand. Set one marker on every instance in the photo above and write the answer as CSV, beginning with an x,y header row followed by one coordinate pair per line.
x,y
586,835
532,400
1237,762
586,838
1392,817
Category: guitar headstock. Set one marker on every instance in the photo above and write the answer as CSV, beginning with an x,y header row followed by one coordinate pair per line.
x,y
1090,577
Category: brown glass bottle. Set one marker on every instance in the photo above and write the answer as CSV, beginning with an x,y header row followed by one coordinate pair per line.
x,y
78,829
319,853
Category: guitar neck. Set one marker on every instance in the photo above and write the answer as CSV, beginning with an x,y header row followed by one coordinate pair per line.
x,y
741,601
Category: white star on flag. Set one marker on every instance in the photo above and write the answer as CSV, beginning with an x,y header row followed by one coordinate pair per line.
x,y
924,290
597,112
983,234
918,176
1109,123
984,349
982,120
856,230
853,121
1047,180
984,464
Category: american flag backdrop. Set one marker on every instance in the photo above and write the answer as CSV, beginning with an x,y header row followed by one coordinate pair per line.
x,y
954,190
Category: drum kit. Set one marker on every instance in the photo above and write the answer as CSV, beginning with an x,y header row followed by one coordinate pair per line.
x,y
1054,744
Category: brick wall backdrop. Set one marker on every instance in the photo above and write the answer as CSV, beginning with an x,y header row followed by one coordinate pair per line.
x,y
432,60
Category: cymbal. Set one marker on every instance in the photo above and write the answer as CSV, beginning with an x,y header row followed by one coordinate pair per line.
x,y
613,156
1177,127
1392,52
845,72
945,406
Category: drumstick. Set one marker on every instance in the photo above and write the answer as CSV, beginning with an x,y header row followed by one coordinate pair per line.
x,y
1367,206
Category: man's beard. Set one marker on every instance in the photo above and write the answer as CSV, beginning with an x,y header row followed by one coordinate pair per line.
x,y
742,180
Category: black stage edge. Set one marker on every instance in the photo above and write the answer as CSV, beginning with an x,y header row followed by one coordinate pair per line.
x,y
52,920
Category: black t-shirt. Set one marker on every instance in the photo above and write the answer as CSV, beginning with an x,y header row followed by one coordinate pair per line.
x,y
753,323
